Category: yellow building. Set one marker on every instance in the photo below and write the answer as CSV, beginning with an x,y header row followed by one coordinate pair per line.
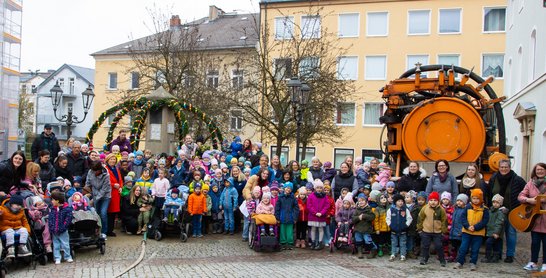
x,y
384,39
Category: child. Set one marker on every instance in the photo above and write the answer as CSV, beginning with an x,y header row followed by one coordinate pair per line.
x,y
301,225
329,172
432,224
207,217
145,181
79,202
317,206
217,216
495,226
390,192
127,185
455,235
228,203
160,187
384,175
218,179
330,217
399,219
475,217
197,206
363,218
274,193
78,183
445,200
145,206
246,172
339,201
265,207
412,230
13,220
38,212
374,196
344,217
286,213
196,181
382,230
60,218
173,204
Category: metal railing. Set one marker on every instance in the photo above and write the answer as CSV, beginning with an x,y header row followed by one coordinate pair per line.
x,y
12,28
11,62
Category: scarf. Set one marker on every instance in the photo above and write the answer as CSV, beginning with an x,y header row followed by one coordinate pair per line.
x,y
320,195
345,175
468,182
538,182
504,180
137,161
443,177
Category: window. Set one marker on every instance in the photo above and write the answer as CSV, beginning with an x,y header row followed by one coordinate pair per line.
x,y
110,119
414,59
71,85
345,114
160,78
135,80
112,80
309,67
492,65
376,68
284,27
372,112
24,88
308,155
450,21
340,155
349,25
494,19
285,151
377,24
212,78
347,68
368,155
237,79
236,119
532,55
419,22
61,83
188,80
283,68
448,59
33,90
310,27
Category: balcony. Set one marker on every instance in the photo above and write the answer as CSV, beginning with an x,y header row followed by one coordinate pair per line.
x,y
15,5
12,31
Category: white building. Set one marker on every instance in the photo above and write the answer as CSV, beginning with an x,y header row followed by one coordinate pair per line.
x,y
29,81
525,86
73,80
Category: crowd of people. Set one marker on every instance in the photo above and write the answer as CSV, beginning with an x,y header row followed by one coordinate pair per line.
x,y
225,190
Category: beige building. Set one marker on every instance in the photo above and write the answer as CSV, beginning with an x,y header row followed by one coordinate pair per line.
x,y
384,39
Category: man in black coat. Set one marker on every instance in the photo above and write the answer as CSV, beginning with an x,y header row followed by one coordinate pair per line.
x,y
77,162
46,141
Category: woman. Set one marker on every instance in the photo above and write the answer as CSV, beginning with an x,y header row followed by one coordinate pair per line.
x,y
61,169
99,182
247,149
315,171
239,182
130,210
67,148
12,171
276,168
261,179
536,186
349,161
442,181
414,178
344,179
47,170
296,173
32,178
471,179
116,182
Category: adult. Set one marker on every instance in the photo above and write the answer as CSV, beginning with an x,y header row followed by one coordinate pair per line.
x,y
256,154
344,179
442,181
315,171
67,148
98,180
508,184
92,157
264,164
130,210
189,147
123,142
374,168
349,160
12,171
61,169
77,162
239,182
414,178
296,173
47,170
116,182
276,168
46,141
261,179
32,179
536,186
246,152
471,180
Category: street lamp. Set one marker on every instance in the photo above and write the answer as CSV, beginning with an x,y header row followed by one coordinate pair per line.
x,y
56,96
299,97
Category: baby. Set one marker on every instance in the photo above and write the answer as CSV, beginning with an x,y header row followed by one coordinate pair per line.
x,y
79,202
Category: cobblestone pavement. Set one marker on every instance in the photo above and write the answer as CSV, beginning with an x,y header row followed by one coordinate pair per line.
x,y
228,256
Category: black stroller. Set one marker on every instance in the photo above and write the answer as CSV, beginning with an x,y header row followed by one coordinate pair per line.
x,y
85,230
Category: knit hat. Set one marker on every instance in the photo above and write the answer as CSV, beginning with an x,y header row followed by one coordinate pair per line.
x,y
463,198
131,174
317,183
274,187
217,171
374,195
78,179
16,200
223,165
362,196
256,189
390,184
434,196
477,193
175,190
305,162
248,163
309,186
206,155
412,194
368,186
498,198
397,197
302,190
242,159
327,165
266,195
233,160
162,161
197,185
382,165
127,179
213,161
445,195
289,184
266,189
124,153
422,194
349,198
151,161
377,186
205,187
327,187
139,152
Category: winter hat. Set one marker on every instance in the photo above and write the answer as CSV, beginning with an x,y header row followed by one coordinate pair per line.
x,y
241,159
256,189
274,187
349,198
390,184
434,196
223,165
289,184
175,190
127,179
162,161
397,197
16,200
309,186
77,179
217,171
206,155
102,157
206,178
317,183
302,190
266,195
131,155
412,194
422,194
266,189
498,198
197,185
248,163
463,198
205,187
327,165
305,162
131,174
445,195
368,186
213,161
327,187
374,195
377,186
151,161
124,153
362,196
139,152
382,165
477,193
233,161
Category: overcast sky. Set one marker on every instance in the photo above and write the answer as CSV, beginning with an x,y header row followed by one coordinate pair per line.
x,y
56,32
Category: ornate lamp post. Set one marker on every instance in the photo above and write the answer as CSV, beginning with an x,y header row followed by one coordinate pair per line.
x,y
56,95
299,97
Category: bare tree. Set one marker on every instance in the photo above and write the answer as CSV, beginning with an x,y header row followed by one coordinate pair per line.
x,y
26,112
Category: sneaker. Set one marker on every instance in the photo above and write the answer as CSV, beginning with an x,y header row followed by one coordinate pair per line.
x,y
70,260
543,268
11,252
245,239
423,261
472,267
165,219
57,262
380,252
103,236
443,263
193,235
532,267
200,236
509,259
262,233
458,266
23,251
402,258
392,258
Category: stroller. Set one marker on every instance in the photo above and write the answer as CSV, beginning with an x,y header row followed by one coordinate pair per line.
x,y
38,224
85,228
335,243
160,225
257,241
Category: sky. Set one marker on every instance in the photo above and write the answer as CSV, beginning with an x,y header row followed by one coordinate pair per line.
x,y
56,32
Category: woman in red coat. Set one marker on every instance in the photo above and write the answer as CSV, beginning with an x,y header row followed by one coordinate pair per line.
x,y
116,182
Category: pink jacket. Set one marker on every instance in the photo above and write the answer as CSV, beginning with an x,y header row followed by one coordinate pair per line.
x,y
530,191
316,205
160,187
265,209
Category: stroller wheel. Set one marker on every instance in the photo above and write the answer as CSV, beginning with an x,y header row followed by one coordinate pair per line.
x,y
183,237
3,272
102,248
42,260
158,236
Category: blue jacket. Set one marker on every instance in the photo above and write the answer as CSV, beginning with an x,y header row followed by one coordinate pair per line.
x,y
457,224
169,199
60,219
287,209
398,219
180,176
255,170
215,199
236,147
228,198
219,183
362,177
239,186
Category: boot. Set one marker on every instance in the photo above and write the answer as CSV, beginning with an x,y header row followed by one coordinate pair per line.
x,y
303,244
496,257
373,254
320,245
315,245
380,251
360,252
23,251
488,257
11,252
298,243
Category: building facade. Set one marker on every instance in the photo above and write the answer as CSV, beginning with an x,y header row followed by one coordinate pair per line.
x,y
10,59
525,85
29,81
384,39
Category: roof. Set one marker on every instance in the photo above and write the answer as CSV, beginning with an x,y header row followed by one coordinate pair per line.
x,y
27,76
86,74
228,31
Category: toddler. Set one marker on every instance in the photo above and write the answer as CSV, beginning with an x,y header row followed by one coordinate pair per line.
x,y
495,226
412,230
286,213
79,202
207,216
432,223
228,203
274,193
60,218
344,217
173,205
251,208
399,219
197,207
145,206
363,218
12,221
445,200
127,185
384,175
265,207
38,212
455,235
339,201
382,229
217,216
301,225
390,191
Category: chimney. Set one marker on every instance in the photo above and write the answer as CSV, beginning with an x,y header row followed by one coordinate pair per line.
x,y
175,21
214,12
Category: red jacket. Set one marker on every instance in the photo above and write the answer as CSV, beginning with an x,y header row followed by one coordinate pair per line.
x,y
303,210
115,201
332,210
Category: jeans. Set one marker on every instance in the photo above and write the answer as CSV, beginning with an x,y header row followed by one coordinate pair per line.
x,y
327,235
61,241
469,241
171,210
245,227
196,222
536,239
229,218
511,238
426,240
410,243
101,206
399,243
364,239
10,236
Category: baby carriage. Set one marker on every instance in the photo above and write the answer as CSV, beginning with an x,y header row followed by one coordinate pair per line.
x,y
85,228
259,241
339,242
172,223
37,212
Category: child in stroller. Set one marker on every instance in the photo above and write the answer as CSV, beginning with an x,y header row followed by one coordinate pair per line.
x,y
86,224
12,221
38,212
265,211
172,206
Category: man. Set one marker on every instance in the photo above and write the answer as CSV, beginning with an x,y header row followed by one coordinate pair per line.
x,y
256,154
122,142
77,162
264,163
46,141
